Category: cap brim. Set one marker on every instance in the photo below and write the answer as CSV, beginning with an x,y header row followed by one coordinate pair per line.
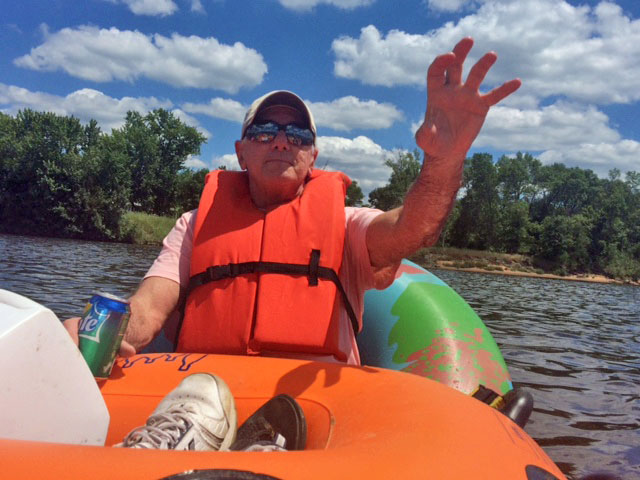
x,y
278,97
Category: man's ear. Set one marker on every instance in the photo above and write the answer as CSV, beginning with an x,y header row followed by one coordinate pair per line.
x,y
315,155
243,164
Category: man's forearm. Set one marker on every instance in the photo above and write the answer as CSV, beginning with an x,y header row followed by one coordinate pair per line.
x,y
400,232
151,305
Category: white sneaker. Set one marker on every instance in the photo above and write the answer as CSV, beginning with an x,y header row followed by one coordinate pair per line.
x,y
199,414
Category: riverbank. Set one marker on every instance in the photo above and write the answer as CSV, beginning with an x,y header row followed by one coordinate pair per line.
x,y
477,261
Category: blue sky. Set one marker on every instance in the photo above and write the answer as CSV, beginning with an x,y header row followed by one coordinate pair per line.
x,y
359,64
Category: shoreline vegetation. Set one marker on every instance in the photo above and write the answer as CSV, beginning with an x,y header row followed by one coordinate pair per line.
x,y
61,178
146,229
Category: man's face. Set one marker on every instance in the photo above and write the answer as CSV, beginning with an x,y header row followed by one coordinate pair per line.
x,y
277,170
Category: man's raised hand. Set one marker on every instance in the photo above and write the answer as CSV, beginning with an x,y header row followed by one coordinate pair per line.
x,y
456,110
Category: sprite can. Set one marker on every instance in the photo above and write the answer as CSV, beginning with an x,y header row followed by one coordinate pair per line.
x,y
100,332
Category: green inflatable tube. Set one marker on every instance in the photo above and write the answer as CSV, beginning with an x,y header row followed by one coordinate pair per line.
x,y
421,325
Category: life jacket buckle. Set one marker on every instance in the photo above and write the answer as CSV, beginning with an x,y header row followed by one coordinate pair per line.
x,y
219,272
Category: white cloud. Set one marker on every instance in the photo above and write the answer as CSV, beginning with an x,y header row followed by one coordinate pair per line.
x,y
229,160
195,163
568,133
224,108
583,53
103,55
447,5
306,5
191,121
196,6
360,158
157,8
397,59
87,104
599,157
559,125
348,113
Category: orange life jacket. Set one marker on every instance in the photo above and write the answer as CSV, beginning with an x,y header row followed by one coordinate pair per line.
x,y
266,282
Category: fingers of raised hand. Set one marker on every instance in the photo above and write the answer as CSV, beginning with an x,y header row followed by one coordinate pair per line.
x,y
447,68
461,50
503,91
437,73
479,70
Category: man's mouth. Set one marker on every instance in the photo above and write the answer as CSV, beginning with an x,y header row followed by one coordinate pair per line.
x,y
282,160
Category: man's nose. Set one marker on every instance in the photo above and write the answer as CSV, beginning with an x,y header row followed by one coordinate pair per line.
x,y
280,142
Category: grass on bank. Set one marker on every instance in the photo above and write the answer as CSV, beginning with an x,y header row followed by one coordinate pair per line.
x,y
145,229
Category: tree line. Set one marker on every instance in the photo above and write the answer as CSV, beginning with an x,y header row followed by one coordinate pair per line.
x,y
568,219
61,178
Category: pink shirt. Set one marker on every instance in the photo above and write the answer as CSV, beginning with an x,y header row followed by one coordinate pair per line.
x,y
356,273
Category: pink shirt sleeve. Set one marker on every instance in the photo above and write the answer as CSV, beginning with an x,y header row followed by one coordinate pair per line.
x,y
174,260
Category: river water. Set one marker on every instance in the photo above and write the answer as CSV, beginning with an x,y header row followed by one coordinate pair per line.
x,y
575,346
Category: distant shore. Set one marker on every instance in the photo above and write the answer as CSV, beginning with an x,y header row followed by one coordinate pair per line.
x,y
479,261
575,278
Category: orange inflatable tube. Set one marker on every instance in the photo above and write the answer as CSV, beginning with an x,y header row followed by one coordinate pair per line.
x,y
363,422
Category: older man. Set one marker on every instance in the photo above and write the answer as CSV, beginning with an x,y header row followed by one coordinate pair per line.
x,y
272,263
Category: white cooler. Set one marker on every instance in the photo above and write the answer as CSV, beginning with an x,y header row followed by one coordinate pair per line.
x,y
47,392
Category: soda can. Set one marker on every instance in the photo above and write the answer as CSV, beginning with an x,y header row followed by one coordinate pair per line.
x,y
100,332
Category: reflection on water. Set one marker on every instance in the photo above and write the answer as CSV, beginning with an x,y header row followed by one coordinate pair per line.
x,y
575,346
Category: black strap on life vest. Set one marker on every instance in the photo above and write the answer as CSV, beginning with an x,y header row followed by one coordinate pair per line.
x,y
312,270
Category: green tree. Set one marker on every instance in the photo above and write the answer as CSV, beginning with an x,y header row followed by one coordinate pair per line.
x,y
8,162
517,177
189,187
60,178
633,180
567,191
445,235
157,146
354,195
39,176
614,234
477,224
103,190
564,243
514,227
405,168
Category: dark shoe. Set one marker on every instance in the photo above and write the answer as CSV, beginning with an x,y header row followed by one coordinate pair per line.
x,y
279,416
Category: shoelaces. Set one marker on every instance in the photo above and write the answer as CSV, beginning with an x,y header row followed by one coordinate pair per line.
x,y
163,430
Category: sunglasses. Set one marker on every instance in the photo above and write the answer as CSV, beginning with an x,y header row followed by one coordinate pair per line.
x,y
266,132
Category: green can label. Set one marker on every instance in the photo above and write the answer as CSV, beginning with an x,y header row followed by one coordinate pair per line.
x,y
100,332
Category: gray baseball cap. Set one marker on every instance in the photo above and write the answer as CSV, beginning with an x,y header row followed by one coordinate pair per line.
x,y
279,97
